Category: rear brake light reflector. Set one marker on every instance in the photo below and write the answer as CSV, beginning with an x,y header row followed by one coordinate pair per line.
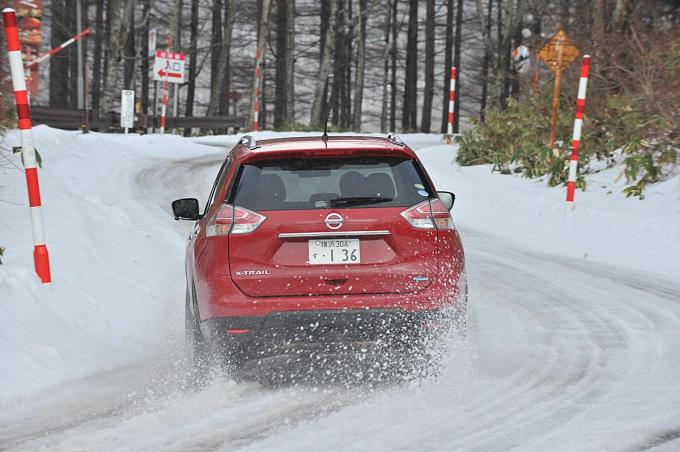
x,y
234,220
419,216
237,331
428,215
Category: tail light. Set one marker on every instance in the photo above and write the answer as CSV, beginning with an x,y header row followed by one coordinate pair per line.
x,y
234,220
429,215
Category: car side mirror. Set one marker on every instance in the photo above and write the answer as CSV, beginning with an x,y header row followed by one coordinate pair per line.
x,y
186,209
447,198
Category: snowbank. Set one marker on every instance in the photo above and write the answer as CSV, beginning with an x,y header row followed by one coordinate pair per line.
x,y
117,256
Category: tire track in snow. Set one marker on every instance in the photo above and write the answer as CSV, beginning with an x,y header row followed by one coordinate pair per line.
x,y
563,355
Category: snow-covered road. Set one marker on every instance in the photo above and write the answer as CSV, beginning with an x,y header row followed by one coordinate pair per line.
x,y
564,354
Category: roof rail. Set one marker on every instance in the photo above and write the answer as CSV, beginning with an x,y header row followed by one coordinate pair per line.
x,y
395,139
249,141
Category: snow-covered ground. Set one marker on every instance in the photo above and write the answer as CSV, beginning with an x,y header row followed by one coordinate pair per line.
x,y
575,317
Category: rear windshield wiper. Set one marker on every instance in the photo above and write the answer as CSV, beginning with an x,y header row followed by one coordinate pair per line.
x,y
358,200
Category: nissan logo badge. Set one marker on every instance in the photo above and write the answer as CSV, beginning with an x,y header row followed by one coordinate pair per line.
x,y
334,221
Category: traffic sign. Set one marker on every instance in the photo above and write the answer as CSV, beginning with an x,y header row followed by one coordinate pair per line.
x,y
127,109
168,66
559,52
522,59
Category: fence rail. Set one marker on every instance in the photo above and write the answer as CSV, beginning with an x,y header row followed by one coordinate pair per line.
x,y
70,119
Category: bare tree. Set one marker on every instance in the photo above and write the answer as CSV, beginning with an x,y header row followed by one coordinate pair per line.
x,y
262,40
193,63
97,69
59,65
426,119
290,62
316,117
144,54
130,56
282,58
393,68
409,117
361,66
220,82
386,67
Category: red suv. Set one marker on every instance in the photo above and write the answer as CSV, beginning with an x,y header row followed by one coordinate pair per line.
x,y
317,242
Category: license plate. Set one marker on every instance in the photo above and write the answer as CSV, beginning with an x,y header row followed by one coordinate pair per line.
x,y
334,251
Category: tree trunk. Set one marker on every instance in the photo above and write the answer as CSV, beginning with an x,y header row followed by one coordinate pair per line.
x,y
282,57
130,55
215,44
346,88
59,64
261,47
97,69
334,109
176,25
316,115
409,109
456,62
426,119
393,69
228,20
119,29
290,63
487,59
621,15
144,55
386,68
359,77
71,53
221,82
193,62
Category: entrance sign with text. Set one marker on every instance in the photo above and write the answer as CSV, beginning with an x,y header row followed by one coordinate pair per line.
x,y
171,68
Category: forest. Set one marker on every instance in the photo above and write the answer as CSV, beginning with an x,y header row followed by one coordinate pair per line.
x,y
366,64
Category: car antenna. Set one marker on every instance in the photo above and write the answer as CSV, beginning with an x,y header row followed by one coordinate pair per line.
x,y
324,137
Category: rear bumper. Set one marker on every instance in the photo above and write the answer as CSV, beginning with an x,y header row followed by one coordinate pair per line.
x,y
327,330
220,298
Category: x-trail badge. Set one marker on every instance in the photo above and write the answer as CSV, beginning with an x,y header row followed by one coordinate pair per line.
x,y
334,221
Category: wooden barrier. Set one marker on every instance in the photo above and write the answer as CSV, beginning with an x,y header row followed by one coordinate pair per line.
x,y
70,119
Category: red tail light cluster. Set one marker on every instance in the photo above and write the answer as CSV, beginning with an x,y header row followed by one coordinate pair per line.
x,y
429,215
234,220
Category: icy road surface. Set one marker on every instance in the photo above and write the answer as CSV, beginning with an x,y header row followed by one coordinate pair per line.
x,y
563,354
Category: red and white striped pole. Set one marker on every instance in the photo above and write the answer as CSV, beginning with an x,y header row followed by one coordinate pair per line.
x,y
60,47
452,101
40,256
164,102
578,124
256,103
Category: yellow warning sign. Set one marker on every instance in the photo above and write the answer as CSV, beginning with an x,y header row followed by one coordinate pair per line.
x,y
559,52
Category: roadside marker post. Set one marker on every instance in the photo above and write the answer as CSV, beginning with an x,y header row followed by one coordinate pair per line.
x,y
164,103
40,256
127,109
578,124
452,101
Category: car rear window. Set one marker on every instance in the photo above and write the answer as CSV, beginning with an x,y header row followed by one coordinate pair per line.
x,y
323,183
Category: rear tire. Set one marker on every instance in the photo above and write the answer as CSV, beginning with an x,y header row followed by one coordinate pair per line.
x,y
197,348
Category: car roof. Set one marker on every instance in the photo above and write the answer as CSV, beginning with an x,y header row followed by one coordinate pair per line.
x,y
318,147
